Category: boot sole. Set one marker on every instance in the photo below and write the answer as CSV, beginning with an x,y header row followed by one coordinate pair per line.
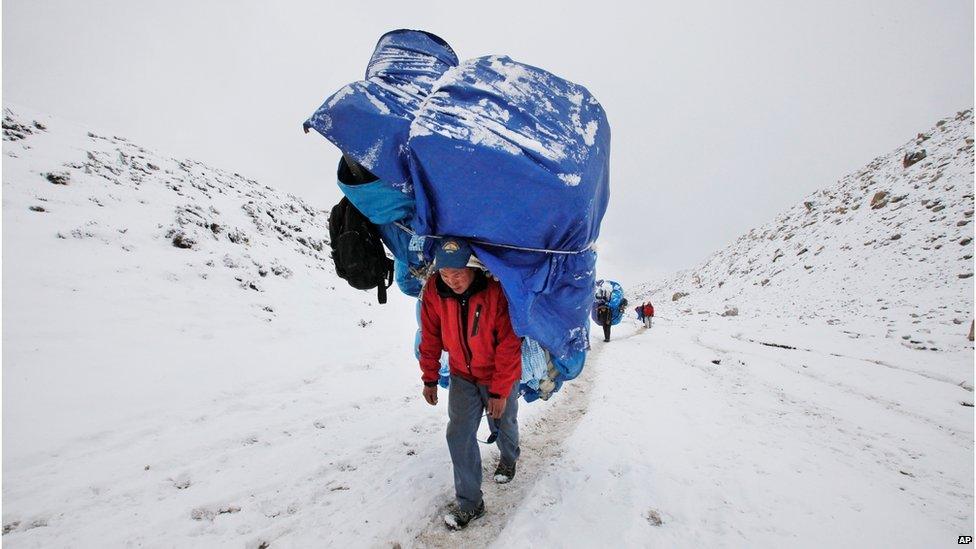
x,y
451,525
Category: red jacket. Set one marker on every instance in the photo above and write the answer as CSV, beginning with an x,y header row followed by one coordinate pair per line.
x,y
482,348
648,310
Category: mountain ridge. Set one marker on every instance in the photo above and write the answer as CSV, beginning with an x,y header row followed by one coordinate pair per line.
x,y
887,240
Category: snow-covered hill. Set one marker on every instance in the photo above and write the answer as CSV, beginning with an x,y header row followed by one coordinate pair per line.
x,y
159,316
888,248
113,252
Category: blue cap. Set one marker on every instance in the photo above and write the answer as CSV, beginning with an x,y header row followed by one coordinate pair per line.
x,y
452,253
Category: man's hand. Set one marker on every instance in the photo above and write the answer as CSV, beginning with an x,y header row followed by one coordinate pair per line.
x,y
496,407
430,394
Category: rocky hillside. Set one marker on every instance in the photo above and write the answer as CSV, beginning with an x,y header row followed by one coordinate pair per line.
x,y
889,246
213,227
153,282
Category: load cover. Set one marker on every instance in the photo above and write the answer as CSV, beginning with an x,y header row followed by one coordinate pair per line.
x,y
610,293
504,154
516,158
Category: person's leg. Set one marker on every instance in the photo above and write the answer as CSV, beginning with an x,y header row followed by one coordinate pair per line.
x,y
606,332
507,428
465,408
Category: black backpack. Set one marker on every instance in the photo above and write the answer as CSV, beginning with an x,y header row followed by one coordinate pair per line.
x,y
358,251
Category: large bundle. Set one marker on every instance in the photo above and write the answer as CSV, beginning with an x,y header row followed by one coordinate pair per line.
x,y
517,160
611,294
509,156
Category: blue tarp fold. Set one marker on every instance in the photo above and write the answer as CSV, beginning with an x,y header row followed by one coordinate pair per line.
x,y
369,120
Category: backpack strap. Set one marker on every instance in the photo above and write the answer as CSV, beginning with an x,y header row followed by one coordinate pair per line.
x,y
381,287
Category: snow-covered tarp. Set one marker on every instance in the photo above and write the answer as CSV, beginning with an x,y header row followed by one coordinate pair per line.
x,y
369,120
504,154
517,159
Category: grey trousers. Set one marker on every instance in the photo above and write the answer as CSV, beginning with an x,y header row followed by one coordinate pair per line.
x,y
466,403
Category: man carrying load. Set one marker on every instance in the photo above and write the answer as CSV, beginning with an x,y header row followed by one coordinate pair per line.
x,y
465,313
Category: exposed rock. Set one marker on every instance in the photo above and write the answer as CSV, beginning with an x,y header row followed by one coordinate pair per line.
x,y
15,131
913,158
654,518
181,240
880,200
731,311
678,295
58,178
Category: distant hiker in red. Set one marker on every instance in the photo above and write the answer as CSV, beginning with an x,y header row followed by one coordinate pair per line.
x,y
648,313
465,313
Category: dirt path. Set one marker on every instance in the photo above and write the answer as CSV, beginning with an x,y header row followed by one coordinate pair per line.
x,y
541,442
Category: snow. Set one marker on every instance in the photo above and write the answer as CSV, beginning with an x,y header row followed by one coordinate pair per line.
x,y
370,157
340,95
380,106
768,447
571,179
589,134
236,393
527,89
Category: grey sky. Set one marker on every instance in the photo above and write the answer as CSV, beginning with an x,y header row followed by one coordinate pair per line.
x,y
723,113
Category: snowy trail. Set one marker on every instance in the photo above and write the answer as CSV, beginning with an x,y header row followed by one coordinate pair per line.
x,y
682,435
541,442
916,371
705,440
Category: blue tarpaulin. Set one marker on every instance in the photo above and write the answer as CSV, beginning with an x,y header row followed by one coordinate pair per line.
x,y
369,120
513,156
507,155
612,294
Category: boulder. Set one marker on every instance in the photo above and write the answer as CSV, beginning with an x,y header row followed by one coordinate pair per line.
x,y
880,200
913,157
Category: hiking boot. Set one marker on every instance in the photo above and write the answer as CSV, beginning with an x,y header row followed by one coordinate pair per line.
x,y
458,519
504,473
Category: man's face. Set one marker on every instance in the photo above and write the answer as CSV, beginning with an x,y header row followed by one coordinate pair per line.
x,y
458,280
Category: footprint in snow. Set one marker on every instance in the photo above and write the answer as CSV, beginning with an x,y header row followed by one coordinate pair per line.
x,y
345,466
182,482
203,513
